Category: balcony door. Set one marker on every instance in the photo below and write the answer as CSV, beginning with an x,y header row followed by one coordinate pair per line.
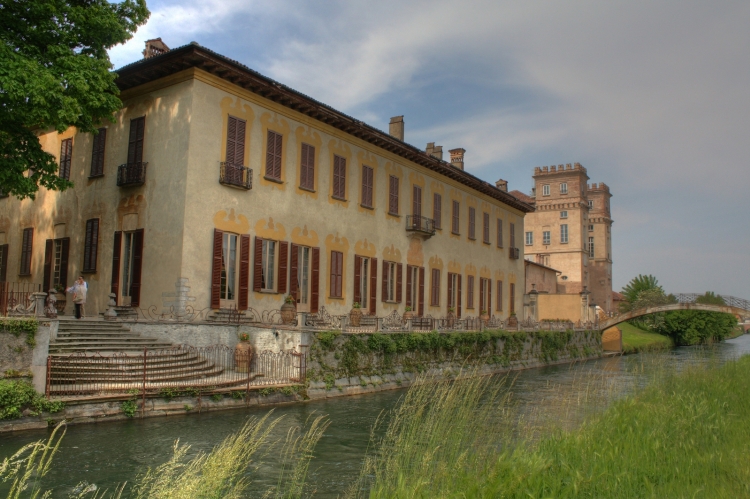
x,y
229,273
300,276
127,262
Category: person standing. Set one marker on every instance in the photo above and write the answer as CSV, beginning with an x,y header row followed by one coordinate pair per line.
x,y
79,296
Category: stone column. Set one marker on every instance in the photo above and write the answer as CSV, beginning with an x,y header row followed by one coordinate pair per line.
x,y
39,302
111,313
533,297
585,304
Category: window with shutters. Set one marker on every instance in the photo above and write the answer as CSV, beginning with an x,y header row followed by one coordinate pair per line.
x,y
91,245
390,281
470,291
3,262
273,156
135,140
416,208
512,235
564,233
339,177
453,291
268,265
367,183
512,304
472,223
362,278
128,263
235,151
455,218
437,210
26,247
499,232
412,286
393,195
66,154
499,299
307,167
435,288
486,228
337,272
229,253
97,153
300,275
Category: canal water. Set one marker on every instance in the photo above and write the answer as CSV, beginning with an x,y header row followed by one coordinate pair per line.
x,y
110,453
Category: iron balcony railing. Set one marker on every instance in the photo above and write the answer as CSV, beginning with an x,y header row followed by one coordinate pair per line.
x,y
131,174
515,253
235,175
423,225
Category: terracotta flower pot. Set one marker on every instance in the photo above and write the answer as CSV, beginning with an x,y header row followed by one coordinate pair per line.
x,y
512,321
485,317
409,315
288,313
355,317
243,356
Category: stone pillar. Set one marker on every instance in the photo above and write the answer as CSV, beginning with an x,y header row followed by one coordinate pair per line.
x,y
533,301
585,304
408,325
301,319
39,302
111,314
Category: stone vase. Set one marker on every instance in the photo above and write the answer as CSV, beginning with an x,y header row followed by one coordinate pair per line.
x,y
409,315
288,313
512,321
485,317
450,319
355,317
243,356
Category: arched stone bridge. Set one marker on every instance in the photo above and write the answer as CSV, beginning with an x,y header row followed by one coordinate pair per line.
x,y
685,301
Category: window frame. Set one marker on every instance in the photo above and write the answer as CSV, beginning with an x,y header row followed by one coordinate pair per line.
x,y
336,273
27,251
456,218
368,176
98,151
307,167
66,158
563,188
339,178
472,223
393,194
391,281
274,155
529,238
591,246
546,237
564,234
545,190
564,214
437,210
499,232
91,246
435,288
486,228
274,263
469,292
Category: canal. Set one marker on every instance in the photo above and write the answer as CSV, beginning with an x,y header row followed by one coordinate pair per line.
x,y
110,453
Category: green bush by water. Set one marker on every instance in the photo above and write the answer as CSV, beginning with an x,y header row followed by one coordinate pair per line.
x,y
19,395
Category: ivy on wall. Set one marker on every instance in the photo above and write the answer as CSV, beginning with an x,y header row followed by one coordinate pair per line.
x,y
17,327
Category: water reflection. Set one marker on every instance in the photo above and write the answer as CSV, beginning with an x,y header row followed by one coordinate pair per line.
x,y
110,453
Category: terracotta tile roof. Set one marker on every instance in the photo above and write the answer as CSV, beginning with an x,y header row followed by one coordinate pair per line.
x,y
617,296
522,197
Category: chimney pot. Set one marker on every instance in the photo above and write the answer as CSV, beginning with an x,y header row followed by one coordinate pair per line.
x,y
396,127
457,157
502,185
154,47
434,151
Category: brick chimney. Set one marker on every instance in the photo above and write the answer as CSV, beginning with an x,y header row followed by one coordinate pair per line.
x,y
457,157
502,185
434,151
154,47
396,128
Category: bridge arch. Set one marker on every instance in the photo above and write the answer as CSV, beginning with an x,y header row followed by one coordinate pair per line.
x,y
633,314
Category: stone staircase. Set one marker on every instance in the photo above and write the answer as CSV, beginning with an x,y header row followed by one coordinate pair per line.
x,y
102,337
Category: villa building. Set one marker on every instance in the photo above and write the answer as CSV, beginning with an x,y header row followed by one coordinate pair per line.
x,y
216,187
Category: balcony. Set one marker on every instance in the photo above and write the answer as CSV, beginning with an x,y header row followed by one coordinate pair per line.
x,y
419,225
131,174
515,253
235,176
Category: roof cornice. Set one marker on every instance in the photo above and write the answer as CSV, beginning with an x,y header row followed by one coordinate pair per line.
x,y
196,56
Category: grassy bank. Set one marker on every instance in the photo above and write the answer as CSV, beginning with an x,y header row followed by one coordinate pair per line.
x,y
686,435
636,340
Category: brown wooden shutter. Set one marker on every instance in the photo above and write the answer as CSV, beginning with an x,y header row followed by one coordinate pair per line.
x,y
340,274
258,265
91,245
339,177
135,143
499,232
367,174
470,291
231,139
384,286
116,250
357,279
273,155
244,292
373,285
315,281
135,287
455,220
26,251
409,285
472,227
512,235
512,306
97,153
486,227
435,288
216,267
417,201
294,271
499,298
489,296
66,153
458,297
450,291
437,210
393,195
283,266
307,167
421,291
64,254
481,294
4,263
399,282
49,249
336,271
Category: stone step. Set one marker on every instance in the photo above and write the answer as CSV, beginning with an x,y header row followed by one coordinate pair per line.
x,y
103,336
92,327
107,339
104,351
126,364
63,380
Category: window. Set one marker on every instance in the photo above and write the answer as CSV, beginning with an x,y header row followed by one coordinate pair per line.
x,y
235,154
301,274
591,204
455,220
563,188
512,306
437,210
128,263
529,238
393,195
545,190
416,201
499,300
339,177
361,280
412,287
470,291
307,167
591,247
512,235
472,228
591,228
273,155
546,237
485,295
367,186
268,265
337,270
564,233
564,214
3,262
66,153
97,153
486,228
229,266
135,140
59,263
435,288
26,246
453,292
499,232
390,281
91,245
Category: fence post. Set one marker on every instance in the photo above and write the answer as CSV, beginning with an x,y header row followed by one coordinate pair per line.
x,y
143,386
47,381
247,386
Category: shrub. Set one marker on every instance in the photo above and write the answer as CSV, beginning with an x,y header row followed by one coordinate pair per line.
x,y
19,395
693,327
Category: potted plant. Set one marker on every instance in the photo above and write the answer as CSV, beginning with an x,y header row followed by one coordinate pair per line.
x,y
451,317
512,320
484,315
61,298
408,314
355,316
289,310
243,353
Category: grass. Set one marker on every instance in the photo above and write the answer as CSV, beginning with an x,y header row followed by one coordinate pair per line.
x,y
636,340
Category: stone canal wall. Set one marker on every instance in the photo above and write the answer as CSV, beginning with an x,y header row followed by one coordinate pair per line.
x,y
23,353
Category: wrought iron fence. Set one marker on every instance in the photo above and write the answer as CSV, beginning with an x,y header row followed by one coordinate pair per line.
x,y
182,369
731,301
417,223
17,296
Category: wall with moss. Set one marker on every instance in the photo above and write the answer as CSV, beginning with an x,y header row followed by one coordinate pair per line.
x,y
340,361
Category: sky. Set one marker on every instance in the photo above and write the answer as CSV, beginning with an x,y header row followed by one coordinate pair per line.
x,y
653,98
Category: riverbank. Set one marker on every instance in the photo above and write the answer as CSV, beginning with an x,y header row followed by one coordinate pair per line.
x,y
636,340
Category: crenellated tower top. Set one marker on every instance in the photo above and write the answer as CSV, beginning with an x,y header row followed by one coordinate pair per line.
x,y
553,169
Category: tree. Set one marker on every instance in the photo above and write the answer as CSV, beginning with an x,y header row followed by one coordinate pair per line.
x,y
710,298
55,73
692,327
638,284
